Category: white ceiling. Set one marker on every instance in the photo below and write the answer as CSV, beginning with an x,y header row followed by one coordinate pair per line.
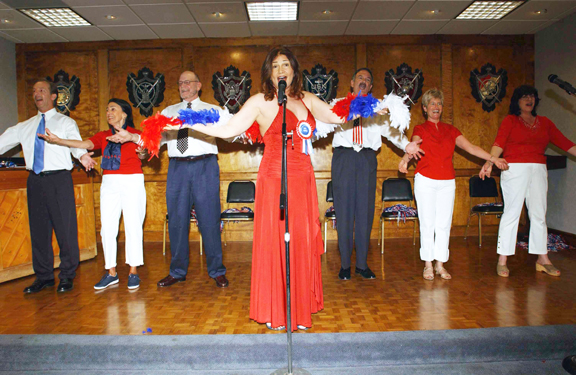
x,y
168,19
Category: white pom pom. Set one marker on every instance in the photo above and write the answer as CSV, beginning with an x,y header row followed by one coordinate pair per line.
x,y
399,112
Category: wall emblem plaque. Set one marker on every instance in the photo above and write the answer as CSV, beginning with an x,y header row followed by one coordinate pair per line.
x,y
405,83
232,89
323,85
488,86
145,91
68,91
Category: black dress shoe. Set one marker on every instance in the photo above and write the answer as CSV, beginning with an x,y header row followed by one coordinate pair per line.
x,y
344,274
65,285
569,364
38,285
221,281
367,273
170,280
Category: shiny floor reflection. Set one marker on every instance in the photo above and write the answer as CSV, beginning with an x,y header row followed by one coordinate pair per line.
x,y
398,300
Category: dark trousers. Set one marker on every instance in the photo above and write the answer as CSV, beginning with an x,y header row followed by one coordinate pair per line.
x,y
51,206
354,184
194,183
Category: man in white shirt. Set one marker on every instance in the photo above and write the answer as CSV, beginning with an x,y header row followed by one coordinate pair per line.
x,y
50,191
193,180
354,168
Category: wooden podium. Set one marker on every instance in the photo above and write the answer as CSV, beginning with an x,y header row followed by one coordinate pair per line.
x,y
15,245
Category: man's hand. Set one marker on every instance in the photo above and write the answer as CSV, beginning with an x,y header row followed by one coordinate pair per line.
x,y
87,161
49,137
414,150
121,136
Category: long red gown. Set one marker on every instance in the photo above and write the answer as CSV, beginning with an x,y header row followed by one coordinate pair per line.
x,y
268,288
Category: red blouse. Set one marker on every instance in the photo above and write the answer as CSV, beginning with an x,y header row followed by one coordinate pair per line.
x,y
129,161
438,144
522,144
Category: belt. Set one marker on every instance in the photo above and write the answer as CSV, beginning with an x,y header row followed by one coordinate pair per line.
x,y
48,173
192,158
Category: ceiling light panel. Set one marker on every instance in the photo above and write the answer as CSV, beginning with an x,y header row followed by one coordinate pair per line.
x,y
488,10
56,17
284,11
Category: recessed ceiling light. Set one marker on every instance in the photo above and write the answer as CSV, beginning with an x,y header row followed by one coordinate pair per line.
x,y
56,17
269,11
435,11
488,10
327,11
110,17
217,14
543,11
5,20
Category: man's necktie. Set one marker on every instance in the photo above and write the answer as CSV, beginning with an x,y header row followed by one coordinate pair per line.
x,y
39,144
182,141
357,133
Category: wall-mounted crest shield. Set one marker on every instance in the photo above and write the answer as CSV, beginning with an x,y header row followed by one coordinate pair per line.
x,y
488,86
68,91
232,89
323,85
404,82
144,91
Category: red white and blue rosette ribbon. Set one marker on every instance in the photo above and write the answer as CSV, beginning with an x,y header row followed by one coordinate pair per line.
x,y
304,131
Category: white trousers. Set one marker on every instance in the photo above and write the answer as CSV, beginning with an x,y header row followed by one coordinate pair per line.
x,y
524,181
122,194
435,200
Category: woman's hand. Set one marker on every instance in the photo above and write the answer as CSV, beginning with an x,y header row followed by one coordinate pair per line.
x,y
486,170
403,166
50,137
141,152
121,136
383,111
502,164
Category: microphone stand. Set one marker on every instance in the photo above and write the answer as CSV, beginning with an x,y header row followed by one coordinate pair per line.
x,y
284,213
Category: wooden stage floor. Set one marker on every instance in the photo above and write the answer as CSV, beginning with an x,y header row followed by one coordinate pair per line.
x,y
398,300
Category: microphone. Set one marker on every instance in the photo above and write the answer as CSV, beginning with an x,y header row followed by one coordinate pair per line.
x,y
281,92
562,84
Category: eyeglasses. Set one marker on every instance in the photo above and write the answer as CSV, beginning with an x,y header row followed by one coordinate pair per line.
x,y
180,83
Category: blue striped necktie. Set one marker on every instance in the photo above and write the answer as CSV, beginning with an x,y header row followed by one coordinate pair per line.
x,y
39,144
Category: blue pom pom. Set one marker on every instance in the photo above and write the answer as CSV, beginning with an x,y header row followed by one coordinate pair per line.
x,y
203,116
363,106
149,330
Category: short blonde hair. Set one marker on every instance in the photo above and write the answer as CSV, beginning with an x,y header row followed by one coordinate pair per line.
x,y
432,94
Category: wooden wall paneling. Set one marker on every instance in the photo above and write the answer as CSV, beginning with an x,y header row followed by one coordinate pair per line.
x,y
447,89
103,88
478,126
81,64
21,79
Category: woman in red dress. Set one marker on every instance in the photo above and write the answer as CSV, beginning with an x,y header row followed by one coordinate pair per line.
x,y
268,289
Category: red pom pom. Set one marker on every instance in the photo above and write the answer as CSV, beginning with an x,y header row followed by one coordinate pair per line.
x,y
253,133
152,132
342,107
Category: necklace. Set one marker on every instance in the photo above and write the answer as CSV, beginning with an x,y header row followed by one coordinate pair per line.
x,y
532,126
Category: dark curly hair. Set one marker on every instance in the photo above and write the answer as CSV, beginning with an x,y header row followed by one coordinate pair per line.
x,y
126,108
268,89
519,92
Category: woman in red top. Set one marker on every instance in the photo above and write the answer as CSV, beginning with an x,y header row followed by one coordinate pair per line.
x,y
434,183
122,191
523,137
